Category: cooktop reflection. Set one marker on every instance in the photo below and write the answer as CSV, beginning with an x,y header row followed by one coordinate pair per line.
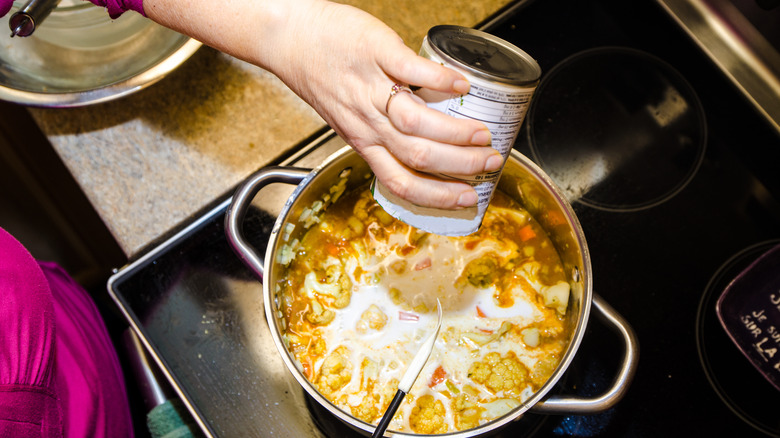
x,y
617,129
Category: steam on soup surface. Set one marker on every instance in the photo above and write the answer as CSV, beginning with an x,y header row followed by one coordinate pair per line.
x,y
359,297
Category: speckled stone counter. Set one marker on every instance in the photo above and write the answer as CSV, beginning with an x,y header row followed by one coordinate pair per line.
x,y
151,160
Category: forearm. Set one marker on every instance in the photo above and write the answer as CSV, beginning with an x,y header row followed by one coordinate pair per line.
x,y
343,62
257,31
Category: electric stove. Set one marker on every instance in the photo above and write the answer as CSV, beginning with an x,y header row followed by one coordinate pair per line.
x,y
673,176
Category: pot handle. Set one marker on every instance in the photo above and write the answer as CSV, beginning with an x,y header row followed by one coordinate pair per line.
x,y
575,405
242,199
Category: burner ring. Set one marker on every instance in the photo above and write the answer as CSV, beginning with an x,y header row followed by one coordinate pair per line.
x,y
617,129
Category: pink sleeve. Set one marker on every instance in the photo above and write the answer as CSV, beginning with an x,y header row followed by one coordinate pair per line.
x,y
117,7
58,367
28,399
89,379
5,6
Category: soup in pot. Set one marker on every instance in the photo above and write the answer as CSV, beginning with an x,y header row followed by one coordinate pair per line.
x,y
358,297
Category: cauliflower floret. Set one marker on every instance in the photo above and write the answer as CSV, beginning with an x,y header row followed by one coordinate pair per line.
x,y
360,210
335,283
557,296
427,416
335,275
335,373
372,319
367,410
383,217
466,411
499,374
318,347
371,405
319,315
481,272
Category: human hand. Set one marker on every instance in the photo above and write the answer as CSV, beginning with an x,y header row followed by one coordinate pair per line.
x,y
347,77
344,62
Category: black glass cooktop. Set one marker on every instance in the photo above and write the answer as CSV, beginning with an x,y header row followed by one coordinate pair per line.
x,y
673,177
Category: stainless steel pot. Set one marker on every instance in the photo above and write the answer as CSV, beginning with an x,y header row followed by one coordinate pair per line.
x,y
521,180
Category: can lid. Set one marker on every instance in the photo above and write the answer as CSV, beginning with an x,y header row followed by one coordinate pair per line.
x,y
484,55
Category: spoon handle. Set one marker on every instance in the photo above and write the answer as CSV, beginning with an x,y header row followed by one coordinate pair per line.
x,y
389,413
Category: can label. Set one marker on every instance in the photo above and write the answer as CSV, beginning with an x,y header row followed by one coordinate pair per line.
x,y
501,106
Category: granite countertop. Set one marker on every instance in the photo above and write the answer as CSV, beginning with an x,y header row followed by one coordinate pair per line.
x,y
149,161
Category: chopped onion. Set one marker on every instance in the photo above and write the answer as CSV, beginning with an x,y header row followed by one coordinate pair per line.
x,y
500,407
531,336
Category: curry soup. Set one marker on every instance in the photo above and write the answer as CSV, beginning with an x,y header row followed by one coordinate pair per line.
x,y
359,296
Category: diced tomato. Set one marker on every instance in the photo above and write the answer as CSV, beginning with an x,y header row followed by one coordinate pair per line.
x,y
480,313
424,264
527,233
407,316
307,369
438,376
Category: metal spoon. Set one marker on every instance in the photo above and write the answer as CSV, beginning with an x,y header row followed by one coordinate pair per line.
x,y
414,369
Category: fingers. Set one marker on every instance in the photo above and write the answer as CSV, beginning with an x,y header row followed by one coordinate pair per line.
x,y
432,157
418,188
423,73
411,116
427,140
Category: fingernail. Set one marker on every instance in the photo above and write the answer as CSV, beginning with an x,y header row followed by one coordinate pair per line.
x,y
461,86
467,199
494,162
481,138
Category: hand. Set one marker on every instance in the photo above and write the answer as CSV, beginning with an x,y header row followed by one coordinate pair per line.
x,y
343,62
347,77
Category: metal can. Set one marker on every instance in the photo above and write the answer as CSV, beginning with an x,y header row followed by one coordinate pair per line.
x,y
503,79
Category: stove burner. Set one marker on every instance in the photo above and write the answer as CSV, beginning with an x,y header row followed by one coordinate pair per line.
x,y
617,129
738,384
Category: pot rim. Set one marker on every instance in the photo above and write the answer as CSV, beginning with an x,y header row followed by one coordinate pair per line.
x,y
585,274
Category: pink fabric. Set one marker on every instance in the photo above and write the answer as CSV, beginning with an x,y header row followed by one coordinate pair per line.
x,y
59,373
5,6
115,7
28,403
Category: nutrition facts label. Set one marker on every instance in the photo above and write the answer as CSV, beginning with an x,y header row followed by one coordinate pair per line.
x,y
502,111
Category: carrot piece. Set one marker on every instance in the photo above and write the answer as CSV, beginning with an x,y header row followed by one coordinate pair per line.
x,y
527,233
480,313
332,249
555,218
438,376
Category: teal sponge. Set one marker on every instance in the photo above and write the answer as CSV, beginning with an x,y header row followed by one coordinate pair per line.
x,y
171,420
